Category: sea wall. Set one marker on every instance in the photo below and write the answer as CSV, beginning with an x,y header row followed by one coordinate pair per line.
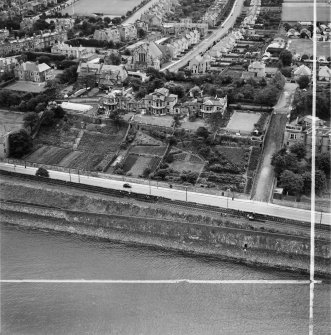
x,y
262,249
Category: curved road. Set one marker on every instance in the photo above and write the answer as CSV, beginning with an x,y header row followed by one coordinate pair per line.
x,y
206,199
136,16
203,46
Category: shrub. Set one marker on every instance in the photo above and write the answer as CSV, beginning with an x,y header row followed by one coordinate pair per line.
x,y
42,172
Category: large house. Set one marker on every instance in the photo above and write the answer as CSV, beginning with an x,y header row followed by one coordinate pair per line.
x,y
108,34
300,130
213,105
257,69
70,51
302,70
8,64
118,100
199,64
160,102
30,71
128,32
144,55
105,75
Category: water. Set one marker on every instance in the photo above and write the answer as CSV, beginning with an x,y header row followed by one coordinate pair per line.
x,y
142,308
107,7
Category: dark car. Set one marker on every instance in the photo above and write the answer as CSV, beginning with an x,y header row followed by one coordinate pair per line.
x,y
126,185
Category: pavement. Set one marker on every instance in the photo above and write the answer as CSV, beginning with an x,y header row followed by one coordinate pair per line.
x,y
201,198
273,142
203,46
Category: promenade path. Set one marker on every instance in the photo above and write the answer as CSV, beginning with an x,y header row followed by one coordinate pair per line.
x,y
205,44
201,198
273,143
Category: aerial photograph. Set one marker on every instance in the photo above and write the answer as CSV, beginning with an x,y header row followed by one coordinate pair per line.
x,y
165,167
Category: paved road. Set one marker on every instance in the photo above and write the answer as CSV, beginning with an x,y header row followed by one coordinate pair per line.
x,y
273,142
207,199
203,46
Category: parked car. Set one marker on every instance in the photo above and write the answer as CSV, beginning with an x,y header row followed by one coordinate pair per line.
x,y
126,185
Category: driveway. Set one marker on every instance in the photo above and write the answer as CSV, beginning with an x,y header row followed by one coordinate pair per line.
x,y
272,143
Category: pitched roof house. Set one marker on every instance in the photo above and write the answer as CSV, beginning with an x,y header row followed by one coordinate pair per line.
x,y
324,73
160,102
35,72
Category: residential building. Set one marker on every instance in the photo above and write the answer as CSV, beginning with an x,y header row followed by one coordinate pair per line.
x,y
144,55
176,28
118,100
107,76
128,32
199,64
302,70
108,34
300,130
324,73
62,23
213,105
36,42
70,51
35,72
160,102
8,64
257,69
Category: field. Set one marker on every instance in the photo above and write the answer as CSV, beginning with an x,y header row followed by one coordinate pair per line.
x,y
148,150
304,46
243,122
303,11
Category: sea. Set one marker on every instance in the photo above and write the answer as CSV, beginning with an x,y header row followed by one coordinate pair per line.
x,y
110,8
143,308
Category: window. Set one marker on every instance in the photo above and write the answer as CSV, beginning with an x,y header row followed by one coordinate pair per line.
x,y
293,136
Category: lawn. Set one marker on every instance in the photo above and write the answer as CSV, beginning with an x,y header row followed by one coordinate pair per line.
x,y
305,46
129,162
181,166
243,122
26,86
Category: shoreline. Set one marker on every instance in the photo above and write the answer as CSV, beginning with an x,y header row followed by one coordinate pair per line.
x,y
229,254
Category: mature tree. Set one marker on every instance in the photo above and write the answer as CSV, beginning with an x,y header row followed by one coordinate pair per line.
x,y
285,57
69,75
178,90
323,163
282,161
320,182
214,121
202,132
298,149
20,143
88,80
141,33
267,96
42,172
59,112
291,182
303,81
31,119
48,118
304,57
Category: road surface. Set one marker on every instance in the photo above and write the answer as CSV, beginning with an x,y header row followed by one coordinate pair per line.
x,y
203,46
201,198
273,142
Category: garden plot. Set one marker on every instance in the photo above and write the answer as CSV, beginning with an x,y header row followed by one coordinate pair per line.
x,y
48,155
141,163
94,142
236,155
144,139
243,122
58,137
184,161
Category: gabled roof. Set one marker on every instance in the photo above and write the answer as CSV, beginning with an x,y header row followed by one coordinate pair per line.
x,y
302,70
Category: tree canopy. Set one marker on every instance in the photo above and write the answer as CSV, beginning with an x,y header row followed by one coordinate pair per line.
x,y
20,143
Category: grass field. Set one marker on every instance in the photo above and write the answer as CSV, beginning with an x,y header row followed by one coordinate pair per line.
x,y
48,155
243,122
181,166
141,163
304,46
148,150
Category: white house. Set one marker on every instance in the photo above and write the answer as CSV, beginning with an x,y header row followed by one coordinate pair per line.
x,y
199,65
257,68
324,73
